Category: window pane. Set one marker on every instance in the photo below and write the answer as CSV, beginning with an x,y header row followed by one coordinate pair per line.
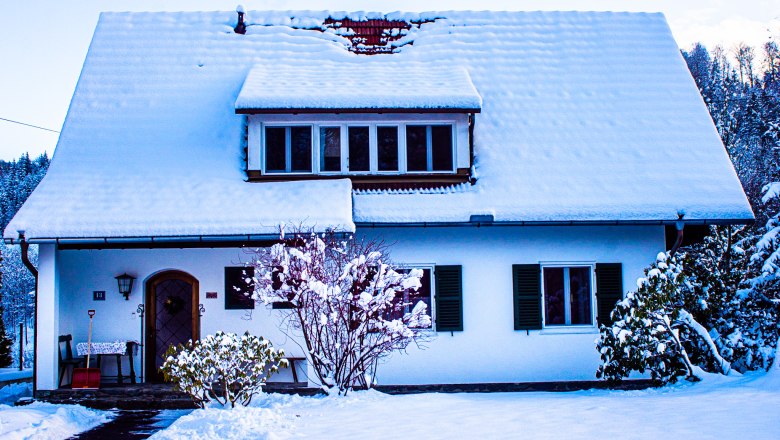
x,y
554,296
423,293
404,302
300,149
274,149
416,148
330,149
358,149
441,147
387,148
580,295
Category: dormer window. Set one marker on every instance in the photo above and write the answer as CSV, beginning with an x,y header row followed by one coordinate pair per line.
x,y
357,148
384,122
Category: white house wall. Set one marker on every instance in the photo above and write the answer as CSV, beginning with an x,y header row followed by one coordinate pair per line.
x,y
488,350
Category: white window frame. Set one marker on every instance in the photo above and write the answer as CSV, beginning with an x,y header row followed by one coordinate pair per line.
x,y
430,267
288,150
429,148
258,127
570,328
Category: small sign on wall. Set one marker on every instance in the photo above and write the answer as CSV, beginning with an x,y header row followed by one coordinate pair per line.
x,y
211,295
98,295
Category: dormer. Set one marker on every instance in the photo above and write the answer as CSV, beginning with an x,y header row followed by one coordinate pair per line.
x,y
380,123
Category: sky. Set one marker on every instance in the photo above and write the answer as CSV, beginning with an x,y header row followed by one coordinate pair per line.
x,y
43,43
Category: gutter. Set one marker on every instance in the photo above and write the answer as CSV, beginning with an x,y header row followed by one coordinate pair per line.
x,y
151,242
249,239
483,221
25,249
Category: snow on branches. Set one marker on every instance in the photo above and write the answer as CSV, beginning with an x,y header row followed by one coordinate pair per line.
x,y
224,367
347,303
651,329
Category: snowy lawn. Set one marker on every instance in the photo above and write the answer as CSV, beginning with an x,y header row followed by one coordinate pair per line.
x,y
719,407
46,421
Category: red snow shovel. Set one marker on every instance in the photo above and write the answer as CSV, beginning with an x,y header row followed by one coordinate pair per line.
x,y
87,378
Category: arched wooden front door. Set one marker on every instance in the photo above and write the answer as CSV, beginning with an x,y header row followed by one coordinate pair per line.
x,y
171,317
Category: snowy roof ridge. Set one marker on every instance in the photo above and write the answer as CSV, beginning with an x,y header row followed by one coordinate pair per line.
x,y
584,116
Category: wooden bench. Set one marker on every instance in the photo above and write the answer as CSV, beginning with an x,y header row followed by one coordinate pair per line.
x,y
292,361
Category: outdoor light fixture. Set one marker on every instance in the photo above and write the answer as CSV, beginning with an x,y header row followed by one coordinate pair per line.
x,y
125,282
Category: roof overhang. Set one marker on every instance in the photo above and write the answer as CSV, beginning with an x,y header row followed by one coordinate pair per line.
x,y
365,87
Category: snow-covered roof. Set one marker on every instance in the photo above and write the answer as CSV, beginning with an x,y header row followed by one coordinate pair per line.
x,y
358,84
584,117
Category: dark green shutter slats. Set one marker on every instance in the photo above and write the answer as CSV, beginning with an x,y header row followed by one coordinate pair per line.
x,y
449,298
609,290
526,279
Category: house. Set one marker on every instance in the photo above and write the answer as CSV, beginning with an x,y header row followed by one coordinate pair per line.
x,y
533,163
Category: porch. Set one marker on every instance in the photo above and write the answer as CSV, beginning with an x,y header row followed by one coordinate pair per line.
x,y
178,295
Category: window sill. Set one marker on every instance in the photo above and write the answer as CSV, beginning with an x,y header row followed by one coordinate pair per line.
x,y
570,330
373,181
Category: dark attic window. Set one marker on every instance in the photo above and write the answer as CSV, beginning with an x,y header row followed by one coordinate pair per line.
x,y
371,37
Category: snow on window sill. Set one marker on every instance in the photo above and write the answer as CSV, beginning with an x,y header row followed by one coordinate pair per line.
x,y
570,330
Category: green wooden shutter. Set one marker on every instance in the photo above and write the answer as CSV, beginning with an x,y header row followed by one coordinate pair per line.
x,y
527,296
449,298
609,290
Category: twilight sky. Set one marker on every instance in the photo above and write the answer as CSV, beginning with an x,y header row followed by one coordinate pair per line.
x,y
44,42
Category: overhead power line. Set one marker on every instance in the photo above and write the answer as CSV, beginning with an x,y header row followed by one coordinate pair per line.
x,y
29,125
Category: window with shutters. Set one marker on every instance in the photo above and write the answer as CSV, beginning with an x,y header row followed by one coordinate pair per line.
x,y
568,295
405,301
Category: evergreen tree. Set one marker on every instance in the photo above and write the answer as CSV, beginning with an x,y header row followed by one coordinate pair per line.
x,y
18,179
5,342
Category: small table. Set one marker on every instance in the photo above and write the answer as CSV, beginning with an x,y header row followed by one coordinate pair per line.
x,y
116,348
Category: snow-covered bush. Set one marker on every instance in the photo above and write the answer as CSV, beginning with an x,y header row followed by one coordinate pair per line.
x,y
347,304
651,329
224,367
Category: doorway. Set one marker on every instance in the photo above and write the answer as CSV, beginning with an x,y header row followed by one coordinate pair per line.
x,y
172,317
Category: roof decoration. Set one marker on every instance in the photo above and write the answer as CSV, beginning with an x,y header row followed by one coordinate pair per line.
x,y
372,36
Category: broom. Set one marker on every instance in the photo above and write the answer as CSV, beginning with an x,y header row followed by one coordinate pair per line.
x,y
87,378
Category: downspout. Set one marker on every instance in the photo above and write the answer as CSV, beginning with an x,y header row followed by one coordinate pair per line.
x,y
472,121
25,246
680,225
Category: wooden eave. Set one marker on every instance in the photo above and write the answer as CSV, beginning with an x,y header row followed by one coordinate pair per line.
x,y
278,111
374,181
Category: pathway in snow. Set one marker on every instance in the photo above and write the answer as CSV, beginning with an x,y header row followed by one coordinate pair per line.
x,y
132,425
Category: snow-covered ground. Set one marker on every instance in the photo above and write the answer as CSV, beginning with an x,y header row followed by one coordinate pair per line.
x,y
718,407
42,421
7,374
12,392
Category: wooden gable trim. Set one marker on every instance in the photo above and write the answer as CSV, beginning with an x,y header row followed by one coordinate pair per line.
x,y
373,181
361,110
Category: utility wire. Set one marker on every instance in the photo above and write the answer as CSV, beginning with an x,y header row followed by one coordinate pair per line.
x,y
29,125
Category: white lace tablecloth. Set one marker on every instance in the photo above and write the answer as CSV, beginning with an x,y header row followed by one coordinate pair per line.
x,y
116,347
